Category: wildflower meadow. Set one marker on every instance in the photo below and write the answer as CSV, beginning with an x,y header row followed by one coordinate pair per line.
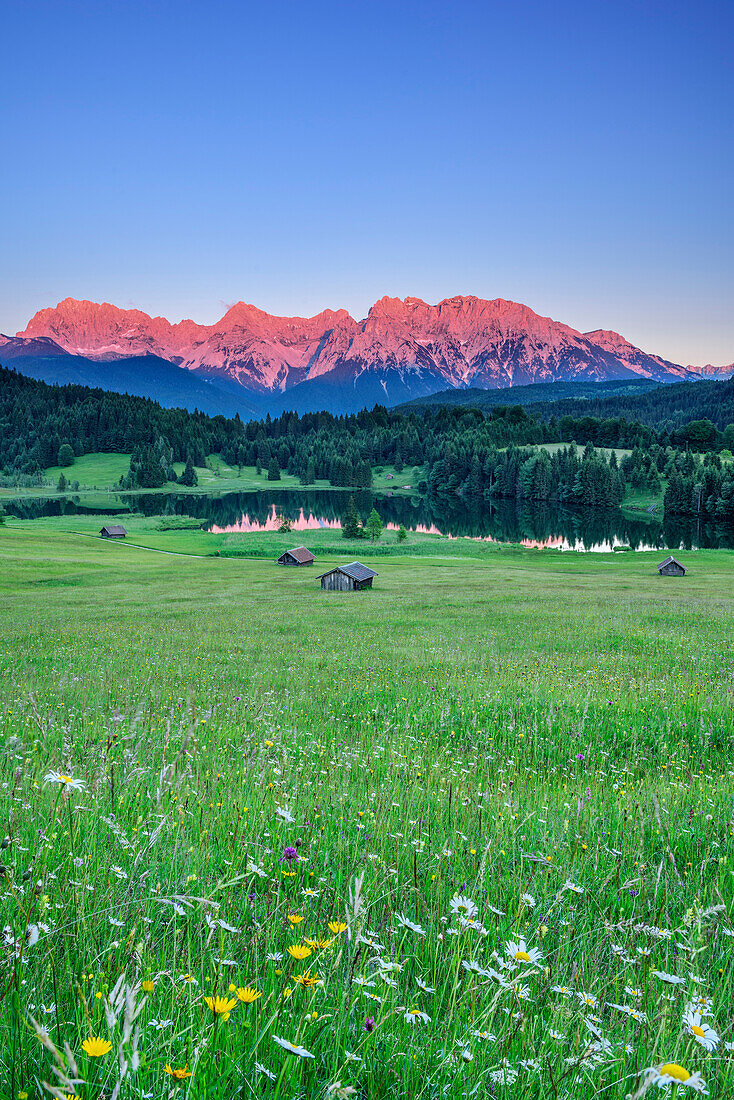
x,y
466,835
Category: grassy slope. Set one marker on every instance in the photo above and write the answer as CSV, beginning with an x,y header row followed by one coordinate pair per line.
x,y
432,732
327,544
93,471
103,472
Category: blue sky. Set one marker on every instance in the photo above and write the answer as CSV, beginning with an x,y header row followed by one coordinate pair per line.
x,y
181,156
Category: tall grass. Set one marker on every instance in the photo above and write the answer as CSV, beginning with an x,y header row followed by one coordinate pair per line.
x,y
521,755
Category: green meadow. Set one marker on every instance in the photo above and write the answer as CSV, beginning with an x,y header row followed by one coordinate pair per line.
x,y
100,473
466,834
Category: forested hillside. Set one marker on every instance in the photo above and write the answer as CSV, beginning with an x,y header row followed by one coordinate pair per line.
x,y
455,451
665,408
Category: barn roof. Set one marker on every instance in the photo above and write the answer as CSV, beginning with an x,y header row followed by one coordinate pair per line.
x,y
670,561
355,570
300,553
114,529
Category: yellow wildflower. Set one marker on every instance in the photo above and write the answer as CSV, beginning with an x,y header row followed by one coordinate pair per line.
x,y
248,995
299,952
96,1047
179,1074
220,1006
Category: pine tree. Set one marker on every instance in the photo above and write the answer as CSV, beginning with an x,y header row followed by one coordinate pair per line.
x,y
188,477
351,522
373,526
274,470
150,474
61,484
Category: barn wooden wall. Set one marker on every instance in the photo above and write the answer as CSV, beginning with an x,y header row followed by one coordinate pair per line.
x,y
337,582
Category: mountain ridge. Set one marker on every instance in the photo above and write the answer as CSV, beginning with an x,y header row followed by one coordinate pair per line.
x,y
403,348
138,376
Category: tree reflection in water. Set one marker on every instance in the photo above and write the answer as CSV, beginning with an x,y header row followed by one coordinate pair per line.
x,y
533,524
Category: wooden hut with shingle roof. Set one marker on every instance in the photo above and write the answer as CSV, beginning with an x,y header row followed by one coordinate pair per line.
x,y
671,568
348,578
299,555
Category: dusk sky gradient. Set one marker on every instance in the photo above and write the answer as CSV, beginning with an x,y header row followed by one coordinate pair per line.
x,y
177,157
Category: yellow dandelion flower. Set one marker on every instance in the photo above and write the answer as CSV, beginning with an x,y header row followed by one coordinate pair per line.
x,y
179,1074
147,987
307,980
294,919
248,995
96,1047
319,944
299,952
220,1006
337,926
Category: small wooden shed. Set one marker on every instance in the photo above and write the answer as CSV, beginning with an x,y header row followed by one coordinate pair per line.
x,y
347,578
671,568
113,531
299,555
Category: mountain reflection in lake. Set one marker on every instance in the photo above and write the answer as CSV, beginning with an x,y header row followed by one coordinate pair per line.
x,y
303,521
530,524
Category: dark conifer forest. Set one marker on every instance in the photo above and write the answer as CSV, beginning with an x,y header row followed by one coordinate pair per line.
x,y
456,449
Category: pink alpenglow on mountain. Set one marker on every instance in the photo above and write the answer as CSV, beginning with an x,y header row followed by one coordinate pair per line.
x,y
402,349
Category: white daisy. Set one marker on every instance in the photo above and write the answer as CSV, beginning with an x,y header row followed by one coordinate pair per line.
x,y
64,780
695,1025
670,1073
633,1013
463,906
520,953
293,1048
414,1014
671,979
410,924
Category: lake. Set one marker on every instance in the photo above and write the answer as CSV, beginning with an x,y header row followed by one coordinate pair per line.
x,y
531,524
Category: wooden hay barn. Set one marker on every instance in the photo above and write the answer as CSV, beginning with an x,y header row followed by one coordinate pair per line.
x,y
671,568
347,578
113,531
299,555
